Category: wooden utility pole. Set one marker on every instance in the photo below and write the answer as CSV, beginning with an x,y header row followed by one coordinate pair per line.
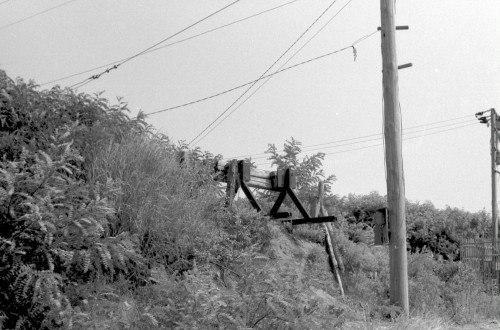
x,y
394,160
494,207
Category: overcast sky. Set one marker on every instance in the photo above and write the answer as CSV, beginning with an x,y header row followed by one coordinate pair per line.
x,y
454,46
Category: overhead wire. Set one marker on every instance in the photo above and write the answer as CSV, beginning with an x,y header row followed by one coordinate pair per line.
x,y
364,136
362,139
265,72
258,88
248,83
381,137
36,14
3,2
421,135
171,44
381,144
404,129
289,59
116,66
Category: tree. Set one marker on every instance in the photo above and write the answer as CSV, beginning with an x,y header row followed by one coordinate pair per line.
x,y
308,170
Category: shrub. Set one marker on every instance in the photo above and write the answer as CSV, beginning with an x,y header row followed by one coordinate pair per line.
x,y
29,117
53,230
450,289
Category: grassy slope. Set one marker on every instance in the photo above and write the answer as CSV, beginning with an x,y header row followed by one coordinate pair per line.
x,y
248,272
286,285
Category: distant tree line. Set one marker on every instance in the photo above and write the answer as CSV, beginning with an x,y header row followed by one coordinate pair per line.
x,y
431,229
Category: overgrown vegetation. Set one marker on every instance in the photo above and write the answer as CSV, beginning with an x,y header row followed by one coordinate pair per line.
x,y
439,231
102,227
54,225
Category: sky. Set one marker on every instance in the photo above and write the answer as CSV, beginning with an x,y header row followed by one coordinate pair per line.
x,y
454,46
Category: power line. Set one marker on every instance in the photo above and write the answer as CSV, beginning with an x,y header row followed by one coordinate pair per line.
x,y
272,65
419,136
270,76
364,138
116,66
381,144
248,83
258,88
172,43
409,128
380,137
36,14
286,62
1,3
404,133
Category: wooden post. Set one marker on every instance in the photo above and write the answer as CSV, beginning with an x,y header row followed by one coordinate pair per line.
x,y
494,205
316,206
394,160
335,247
184,158
232,182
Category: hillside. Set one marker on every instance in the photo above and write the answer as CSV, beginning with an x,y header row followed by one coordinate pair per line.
x,y
102,227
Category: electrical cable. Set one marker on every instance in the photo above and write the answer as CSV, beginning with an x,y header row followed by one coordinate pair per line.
x,y
355,142
380,144
170,44
36,14
286,62
116,66
405,131
258,88
381,136
1,3
248,83
367,140
272,65
418,136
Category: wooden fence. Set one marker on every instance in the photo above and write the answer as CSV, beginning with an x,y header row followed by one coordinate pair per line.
x,y
486,260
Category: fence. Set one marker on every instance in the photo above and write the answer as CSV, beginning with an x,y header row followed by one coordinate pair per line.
x,y
486,260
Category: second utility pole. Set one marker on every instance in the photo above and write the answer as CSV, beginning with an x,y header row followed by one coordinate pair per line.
x,y
494,205
494,208
394,161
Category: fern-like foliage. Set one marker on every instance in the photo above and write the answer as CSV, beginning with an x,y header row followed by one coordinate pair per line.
x,y
54,230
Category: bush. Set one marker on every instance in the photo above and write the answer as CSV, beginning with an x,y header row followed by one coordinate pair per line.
x,y
29,117
451,289
53,232
54,225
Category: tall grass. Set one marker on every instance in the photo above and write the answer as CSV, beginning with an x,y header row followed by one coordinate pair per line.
x,y
165,203
451,291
